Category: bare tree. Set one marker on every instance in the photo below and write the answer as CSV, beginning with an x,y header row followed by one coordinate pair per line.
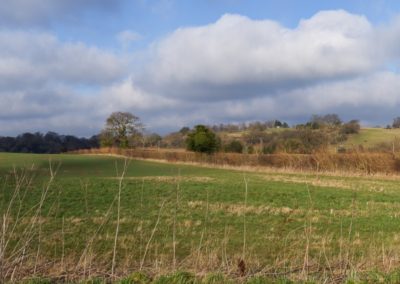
x,y
330,120
396,122
119,127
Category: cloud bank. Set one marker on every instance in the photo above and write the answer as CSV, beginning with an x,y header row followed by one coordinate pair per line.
x,y
233,70
240,69
262,56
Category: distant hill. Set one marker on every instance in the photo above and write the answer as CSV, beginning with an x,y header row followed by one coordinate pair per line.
x,y
370,137
367,137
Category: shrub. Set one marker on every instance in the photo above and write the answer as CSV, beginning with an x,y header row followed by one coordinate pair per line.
x,y
351,127
249,149
234,146
202,140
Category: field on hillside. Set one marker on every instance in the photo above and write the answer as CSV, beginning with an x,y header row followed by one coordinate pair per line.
x,y
89,216
369,137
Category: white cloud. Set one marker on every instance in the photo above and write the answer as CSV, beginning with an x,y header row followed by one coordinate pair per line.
x,y
236,69
374,95
35,59
239,69
262,55
378,90
125,96
43,81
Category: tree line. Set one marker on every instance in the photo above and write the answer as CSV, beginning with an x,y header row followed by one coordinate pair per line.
x,y
265,137
125,130
256,125
49,143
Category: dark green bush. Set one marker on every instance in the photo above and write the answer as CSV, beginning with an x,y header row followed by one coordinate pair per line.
x,y
234,146
202,140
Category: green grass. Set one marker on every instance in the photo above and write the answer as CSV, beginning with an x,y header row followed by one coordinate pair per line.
x,y
369,137
340,223
77,166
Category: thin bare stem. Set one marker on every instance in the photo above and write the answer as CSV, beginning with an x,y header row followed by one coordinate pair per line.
x,y
151,236
307,232
203,231
141,219
244,218
92,239
175,215
85,186
38,215
63,245
121,178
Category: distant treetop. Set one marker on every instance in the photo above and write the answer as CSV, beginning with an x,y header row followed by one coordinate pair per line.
x,y
120,129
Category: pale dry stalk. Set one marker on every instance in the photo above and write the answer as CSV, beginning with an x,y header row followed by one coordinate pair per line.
x,y
175,216
307,232
151,236
92,239
141,220
203,232
63,245
244,218
121,178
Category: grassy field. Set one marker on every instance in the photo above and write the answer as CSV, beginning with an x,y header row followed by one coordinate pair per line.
x,y
369,137
89,218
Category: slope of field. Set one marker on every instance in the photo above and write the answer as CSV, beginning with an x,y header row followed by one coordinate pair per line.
x,y
177,217
369,137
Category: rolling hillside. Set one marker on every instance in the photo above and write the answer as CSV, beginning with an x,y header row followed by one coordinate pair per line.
x,y
369,137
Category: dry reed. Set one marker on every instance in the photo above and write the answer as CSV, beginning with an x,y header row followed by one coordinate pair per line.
x,y
321,162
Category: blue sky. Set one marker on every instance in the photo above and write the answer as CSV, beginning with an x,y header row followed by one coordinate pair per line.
x,y
66,65
154,19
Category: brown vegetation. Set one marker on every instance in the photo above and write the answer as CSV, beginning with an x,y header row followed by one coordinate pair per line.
x,y
368,163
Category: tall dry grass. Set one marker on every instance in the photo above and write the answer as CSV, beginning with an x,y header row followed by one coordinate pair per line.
x,y
357,162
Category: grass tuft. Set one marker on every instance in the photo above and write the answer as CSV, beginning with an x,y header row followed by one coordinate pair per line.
x,y
179,277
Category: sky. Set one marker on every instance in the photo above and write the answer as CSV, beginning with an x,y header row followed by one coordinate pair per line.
x,y
66,65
